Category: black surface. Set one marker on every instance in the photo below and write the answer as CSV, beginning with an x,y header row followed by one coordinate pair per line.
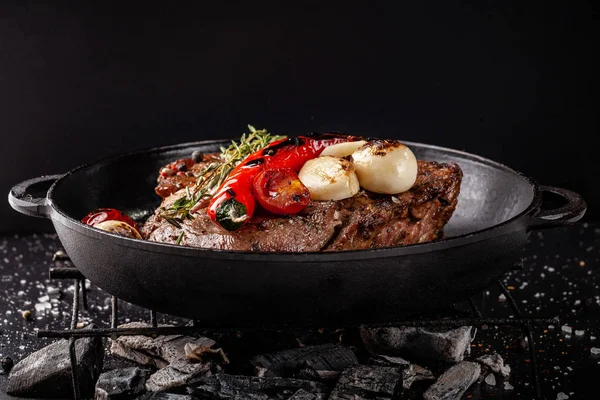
x,y
560,278
509,80
496,208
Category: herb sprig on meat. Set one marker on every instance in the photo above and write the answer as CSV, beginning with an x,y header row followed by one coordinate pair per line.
x,y
209,180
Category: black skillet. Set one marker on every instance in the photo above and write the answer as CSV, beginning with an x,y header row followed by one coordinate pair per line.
x,y
496,211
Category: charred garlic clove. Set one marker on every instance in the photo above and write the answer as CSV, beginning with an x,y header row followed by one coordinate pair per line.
x,y
385,166
120,228
342,149
329,178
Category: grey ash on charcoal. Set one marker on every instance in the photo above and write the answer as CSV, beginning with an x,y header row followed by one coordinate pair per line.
x,y
383,363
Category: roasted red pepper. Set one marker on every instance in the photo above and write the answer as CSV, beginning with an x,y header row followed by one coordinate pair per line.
x,y
234,202
280,191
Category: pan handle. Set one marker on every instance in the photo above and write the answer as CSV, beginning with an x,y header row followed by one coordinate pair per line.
x,y
21,198
572,211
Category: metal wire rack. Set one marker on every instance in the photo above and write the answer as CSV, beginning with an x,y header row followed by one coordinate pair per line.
x,y
476,318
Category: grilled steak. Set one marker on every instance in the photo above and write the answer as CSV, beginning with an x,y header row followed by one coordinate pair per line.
x,y
366,220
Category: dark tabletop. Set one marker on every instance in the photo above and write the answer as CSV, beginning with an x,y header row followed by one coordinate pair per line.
x,y
560,278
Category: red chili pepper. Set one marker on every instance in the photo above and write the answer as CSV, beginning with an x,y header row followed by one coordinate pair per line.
x,y
234,202
107,214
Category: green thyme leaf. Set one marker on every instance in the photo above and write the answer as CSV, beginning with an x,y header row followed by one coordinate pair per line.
x,y
178,242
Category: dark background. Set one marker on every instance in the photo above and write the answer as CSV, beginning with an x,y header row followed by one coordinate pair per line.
x,y
509,81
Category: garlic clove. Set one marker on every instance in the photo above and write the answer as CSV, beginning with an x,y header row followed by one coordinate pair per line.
x,y
385,166
342,149
119,227
329,178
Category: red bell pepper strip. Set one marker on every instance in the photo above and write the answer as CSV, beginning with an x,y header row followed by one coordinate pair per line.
x,y
234,202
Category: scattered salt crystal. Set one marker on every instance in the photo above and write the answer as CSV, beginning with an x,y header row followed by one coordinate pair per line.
x,y
556,368
490,380
543,275
550,326
567,336
22,281
592,337
595,350
40,307
43,299
550,269
502,297
562,396
579,333
508,386
570,369
20,293
55,313
577,302
524,301
566,329
537,295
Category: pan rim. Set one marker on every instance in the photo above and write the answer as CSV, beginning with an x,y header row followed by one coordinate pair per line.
x,y
508,226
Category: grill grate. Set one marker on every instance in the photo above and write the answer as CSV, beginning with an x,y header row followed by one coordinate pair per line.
x,y
476,319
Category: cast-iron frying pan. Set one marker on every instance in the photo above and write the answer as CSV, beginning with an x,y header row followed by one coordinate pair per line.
x,y
497,208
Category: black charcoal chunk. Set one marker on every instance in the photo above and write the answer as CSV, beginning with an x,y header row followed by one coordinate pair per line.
x,y
454,382
410,372
223,386
321,362
389,361
120,383
369,382
302,394
414,373
495,363
165,396
166,352
419,345
47,372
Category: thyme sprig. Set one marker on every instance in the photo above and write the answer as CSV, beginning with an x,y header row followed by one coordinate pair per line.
x,y
211,178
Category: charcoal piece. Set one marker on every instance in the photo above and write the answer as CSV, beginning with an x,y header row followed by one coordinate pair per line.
x,y
414,373
156,352
302,394
200,353
389,361
369,382
419,345
495,363
410,372
168,353
175,375
321,362
165,396
454,382
223,386
120,383
47,372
